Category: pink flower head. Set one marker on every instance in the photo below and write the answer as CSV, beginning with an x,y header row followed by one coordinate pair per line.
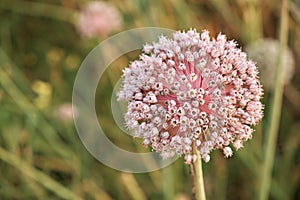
x,y
65,112
192,90
99,18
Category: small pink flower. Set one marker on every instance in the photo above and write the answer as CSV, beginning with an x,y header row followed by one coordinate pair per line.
x,y
65,112
99,18
192,90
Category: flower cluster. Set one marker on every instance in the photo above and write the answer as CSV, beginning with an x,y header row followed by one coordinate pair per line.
x,y
192,91
99,18
264,52
65,112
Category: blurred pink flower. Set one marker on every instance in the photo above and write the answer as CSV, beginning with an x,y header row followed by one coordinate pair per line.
x,y
65,112
192,90
99,18
263,52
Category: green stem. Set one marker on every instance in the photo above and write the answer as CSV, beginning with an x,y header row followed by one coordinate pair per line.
x,y
37,175
272,131
168,183
197,177
132,186
8,84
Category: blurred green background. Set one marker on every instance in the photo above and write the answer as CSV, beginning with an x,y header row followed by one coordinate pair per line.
x,y
41,156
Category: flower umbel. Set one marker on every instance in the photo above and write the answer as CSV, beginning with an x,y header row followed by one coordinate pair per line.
x,y
99,18
192,89
263,52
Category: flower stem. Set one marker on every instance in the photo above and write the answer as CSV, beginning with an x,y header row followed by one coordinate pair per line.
x,y
197,177
272,131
